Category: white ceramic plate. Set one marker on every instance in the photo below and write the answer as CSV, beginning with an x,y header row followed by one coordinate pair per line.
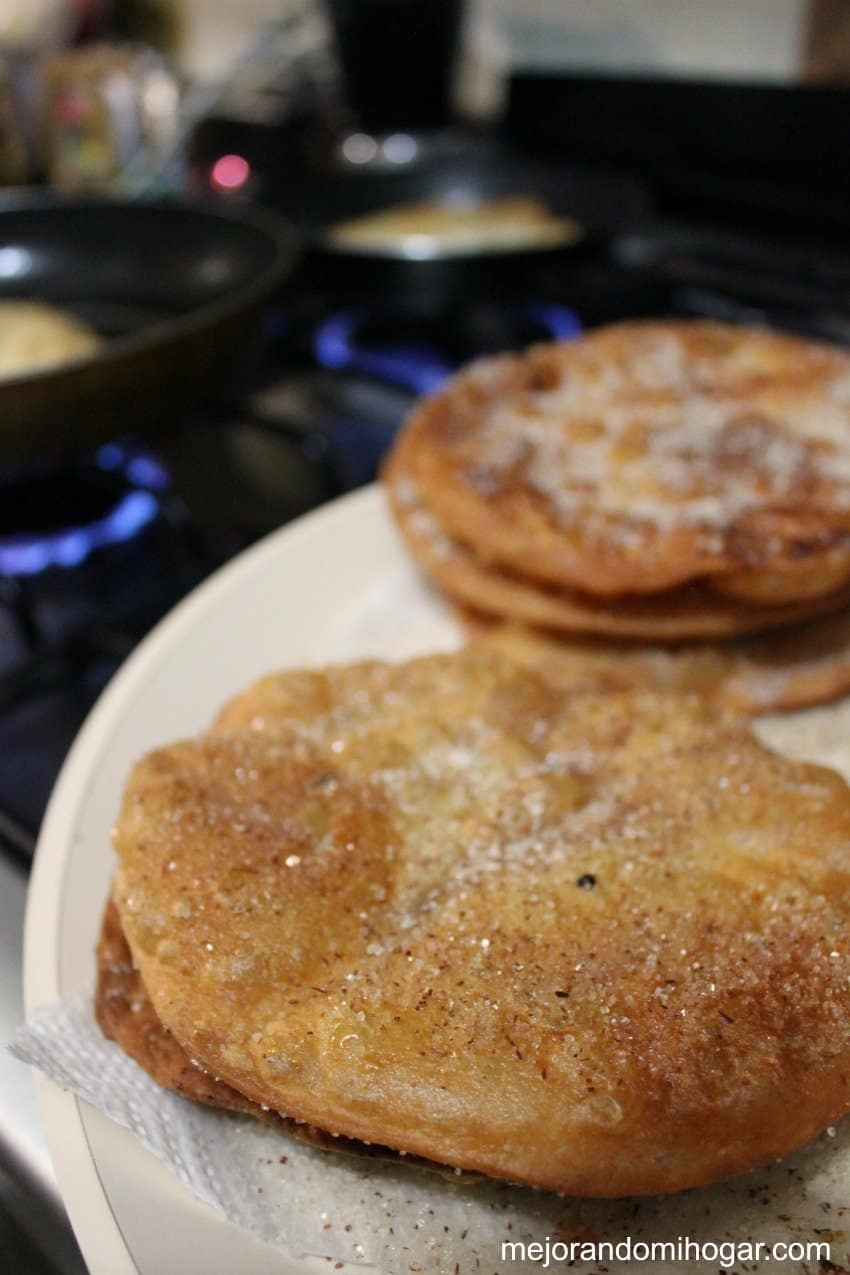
x,y
334,586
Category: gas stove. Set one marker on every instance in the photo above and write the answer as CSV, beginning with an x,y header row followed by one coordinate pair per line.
x,y
93,554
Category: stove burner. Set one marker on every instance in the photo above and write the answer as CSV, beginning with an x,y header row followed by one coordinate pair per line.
x,y
418,351
57,518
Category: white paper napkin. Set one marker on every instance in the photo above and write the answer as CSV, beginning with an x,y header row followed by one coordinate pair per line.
x,y
405,1219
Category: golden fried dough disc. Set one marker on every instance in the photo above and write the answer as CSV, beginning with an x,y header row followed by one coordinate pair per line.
x,y
690,611
597,943
126,1015
648,454
794,668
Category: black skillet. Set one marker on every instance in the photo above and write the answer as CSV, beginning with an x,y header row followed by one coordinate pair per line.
x,y
177,289
469,169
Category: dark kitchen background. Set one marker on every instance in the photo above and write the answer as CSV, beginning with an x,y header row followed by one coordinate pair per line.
x,y
569,162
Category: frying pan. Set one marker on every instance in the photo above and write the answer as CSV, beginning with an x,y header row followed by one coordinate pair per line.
x,y
462,168
177,289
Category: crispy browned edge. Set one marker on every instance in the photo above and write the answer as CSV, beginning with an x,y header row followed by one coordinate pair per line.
x,y
688,613
126,1016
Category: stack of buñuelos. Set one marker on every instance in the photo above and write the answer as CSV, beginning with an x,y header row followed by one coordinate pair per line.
x,y
682,484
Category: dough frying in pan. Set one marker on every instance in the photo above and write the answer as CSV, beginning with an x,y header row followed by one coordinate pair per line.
x,y
35,337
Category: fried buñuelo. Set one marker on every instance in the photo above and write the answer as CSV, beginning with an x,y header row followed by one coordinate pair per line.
x,y
770,672
596,943
690,611
649,454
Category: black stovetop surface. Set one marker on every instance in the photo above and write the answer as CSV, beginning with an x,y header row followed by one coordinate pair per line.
x,y
85,573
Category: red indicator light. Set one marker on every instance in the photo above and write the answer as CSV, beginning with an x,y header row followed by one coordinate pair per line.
x,y
229,172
